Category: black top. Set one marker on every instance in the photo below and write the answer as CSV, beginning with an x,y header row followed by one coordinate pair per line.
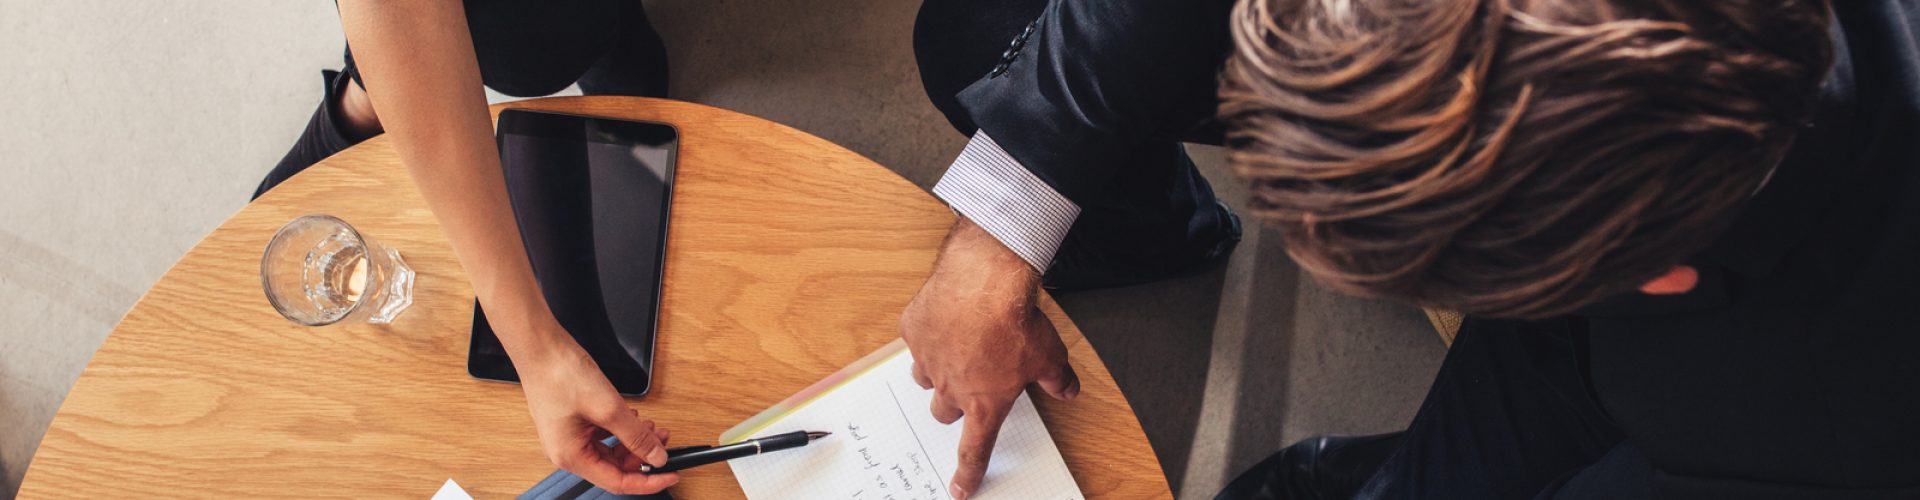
x,y
1793,370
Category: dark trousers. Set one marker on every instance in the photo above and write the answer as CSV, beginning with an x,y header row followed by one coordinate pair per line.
x,y
1511,416
524,49
1158,211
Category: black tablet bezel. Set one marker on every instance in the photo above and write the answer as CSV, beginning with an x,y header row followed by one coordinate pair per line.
x,y
541,123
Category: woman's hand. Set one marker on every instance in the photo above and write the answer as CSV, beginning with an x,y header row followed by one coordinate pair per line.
x,y
574,407
424,82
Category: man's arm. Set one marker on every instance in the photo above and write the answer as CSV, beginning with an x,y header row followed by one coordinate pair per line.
x,y
994,192
418,63
978,340
1098,81
1094,82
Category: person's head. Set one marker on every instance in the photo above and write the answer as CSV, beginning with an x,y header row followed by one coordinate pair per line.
x,y
1516,158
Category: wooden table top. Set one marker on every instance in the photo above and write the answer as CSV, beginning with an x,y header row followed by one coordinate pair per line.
x,y
789,257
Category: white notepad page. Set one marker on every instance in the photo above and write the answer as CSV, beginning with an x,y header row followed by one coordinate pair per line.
x,y
886,445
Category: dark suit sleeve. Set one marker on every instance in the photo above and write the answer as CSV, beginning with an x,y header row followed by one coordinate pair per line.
x,y
1097,80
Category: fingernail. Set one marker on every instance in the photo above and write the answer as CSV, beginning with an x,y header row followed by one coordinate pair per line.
x,y
954,491
658,457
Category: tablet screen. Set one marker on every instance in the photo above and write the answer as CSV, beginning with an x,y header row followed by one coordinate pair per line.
x,y
590,197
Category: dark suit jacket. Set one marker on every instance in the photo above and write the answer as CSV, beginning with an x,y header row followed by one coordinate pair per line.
x,y
1793,371
1099,80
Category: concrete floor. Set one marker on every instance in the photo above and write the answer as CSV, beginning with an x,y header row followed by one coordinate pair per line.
x,y
134,128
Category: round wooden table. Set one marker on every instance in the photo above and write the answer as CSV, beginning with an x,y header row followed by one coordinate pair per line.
x,y
789,258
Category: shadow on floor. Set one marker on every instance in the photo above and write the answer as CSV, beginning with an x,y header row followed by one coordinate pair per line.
x,y
1155,339
1305,361
10,483
840,69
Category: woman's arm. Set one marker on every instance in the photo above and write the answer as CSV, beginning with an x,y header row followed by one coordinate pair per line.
x,y
417,61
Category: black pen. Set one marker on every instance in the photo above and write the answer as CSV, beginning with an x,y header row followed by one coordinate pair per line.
x,y
695,456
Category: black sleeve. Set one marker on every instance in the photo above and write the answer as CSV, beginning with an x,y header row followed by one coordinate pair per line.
x,y
1098,79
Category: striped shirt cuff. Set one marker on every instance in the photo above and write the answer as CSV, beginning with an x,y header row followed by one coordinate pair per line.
x,y
990,188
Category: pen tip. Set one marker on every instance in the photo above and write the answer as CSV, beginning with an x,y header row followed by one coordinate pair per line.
x,y
812,435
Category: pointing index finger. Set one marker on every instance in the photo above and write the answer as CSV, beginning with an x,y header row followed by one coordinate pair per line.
x,y
977,436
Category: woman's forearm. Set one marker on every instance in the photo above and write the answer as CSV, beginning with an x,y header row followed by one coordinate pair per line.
x,y
417,61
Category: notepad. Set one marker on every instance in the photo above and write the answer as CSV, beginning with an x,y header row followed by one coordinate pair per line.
x,y
451,491
886,444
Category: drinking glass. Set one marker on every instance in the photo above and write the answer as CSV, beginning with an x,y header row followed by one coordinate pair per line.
x,y
318,271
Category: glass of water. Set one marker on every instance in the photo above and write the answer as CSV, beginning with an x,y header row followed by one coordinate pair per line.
x,y
318,271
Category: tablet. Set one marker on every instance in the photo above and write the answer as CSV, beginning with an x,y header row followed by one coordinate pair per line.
x,y
590,196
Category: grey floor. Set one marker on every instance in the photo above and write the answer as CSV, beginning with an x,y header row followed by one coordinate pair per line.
x,y
131,129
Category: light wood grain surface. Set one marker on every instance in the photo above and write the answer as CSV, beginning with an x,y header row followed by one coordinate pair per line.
x,y
788,258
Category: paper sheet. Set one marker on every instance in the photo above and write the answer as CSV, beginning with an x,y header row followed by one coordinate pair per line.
x,y
451,491
886,444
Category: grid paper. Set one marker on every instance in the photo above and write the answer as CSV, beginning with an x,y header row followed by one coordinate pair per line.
x,y
887,446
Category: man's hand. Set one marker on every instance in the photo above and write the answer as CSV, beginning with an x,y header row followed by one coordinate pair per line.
x,y
574,407
978,340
